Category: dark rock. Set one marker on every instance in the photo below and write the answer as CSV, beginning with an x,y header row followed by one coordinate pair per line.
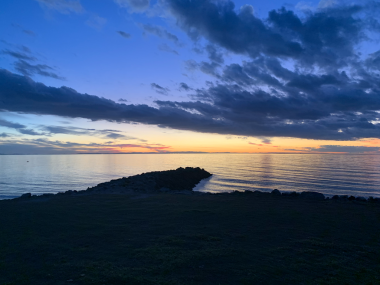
x,y
361,199
180,179
312,195
343,197
291,194
275,192
26,196
351,198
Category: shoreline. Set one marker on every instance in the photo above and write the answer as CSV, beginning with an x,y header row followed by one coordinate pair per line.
x,y
183,181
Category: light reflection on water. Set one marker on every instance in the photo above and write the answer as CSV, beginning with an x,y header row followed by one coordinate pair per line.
x,y
357,175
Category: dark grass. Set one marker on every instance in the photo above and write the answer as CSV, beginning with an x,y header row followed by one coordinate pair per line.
x,y
188,239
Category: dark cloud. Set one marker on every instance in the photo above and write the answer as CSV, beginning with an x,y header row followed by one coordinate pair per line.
x,y
29,69
165,47
210,68
326,37
184,87
160,89
124,34
24,66
106,134
134,5
345,148
18,55
339,110
214,55
4,135
266,141
160,32
191,65
5,123
373,61
122,100
115,136
18,127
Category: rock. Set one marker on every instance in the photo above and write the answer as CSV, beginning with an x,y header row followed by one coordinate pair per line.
x,y
312,195
343,197
373,200
275,192
351,198
361,199
26,196
180,179
291,194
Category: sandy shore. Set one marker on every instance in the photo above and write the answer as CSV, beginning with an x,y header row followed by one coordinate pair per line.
x,y
167,238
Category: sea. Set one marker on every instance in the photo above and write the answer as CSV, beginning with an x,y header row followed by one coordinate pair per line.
x,y
330,174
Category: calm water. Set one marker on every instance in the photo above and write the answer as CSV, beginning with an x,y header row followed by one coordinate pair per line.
x,y
357,175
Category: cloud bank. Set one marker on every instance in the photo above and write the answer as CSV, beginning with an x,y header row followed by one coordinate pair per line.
x,y
225,109
301,77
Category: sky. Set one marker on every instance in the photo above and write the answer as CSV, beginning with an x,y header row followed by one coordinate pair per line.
x,y
174,76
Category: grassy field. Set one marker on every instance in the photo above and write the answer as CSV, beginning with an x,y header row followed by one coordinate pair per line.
x,y
188,239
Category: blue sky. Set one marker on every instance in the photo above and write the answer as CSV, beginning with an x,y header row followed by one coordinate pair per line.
x,y
234,76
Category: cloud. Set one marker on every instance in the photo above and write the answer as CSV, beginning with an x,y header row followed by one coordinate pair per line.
x,y
266,141
160,89
4,135
184,87
165,47
25,31
18,55
105,133
45,146
122,100
325,37
345,148
62,6
160,32
18,127
124,34
134,5
23,63
115,136
255,144
214,55
332,110
191,65
96,22
46,130
29,69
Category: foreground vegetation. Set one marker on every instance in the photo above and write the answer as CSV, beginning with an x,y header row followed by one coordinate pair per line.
x,y
188,239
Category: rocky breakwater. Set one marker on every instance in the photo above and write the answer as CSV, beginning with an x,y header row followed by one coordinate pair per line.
x,y
179,180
